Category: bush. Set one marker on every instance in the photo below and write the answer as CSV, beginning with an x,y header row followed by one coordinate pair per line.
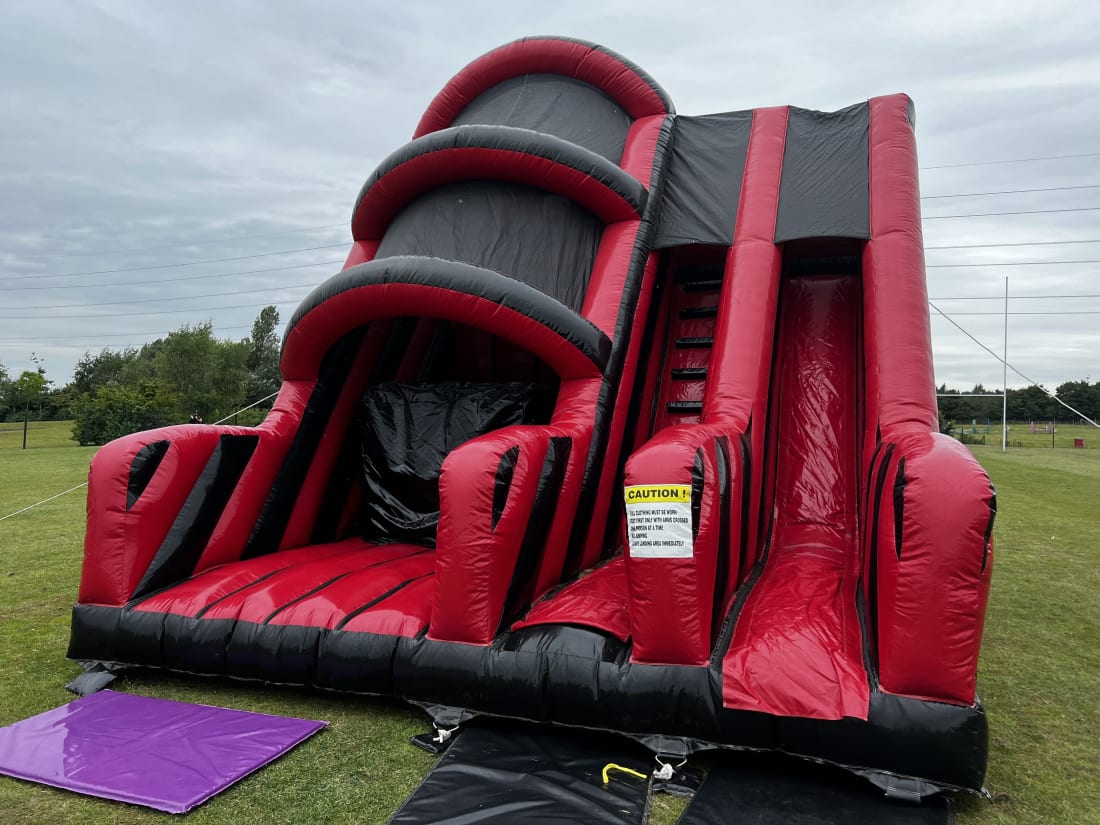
x,y
115,411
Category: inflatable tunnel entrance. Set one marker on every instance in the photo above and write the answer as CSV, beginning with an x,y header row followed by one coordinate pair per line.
x,y
614,418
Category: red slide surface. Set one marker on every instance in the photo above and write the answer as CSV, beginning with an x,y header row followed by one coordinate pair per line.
x,y
796,649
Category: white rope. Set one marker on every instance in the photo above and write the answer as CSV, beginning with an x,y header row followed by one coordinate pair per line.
x,y
1031,381
85,484
43,501
249,407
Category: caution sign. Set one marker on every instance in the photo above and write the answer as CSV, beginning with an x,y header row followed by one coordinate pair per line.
x,y
658,521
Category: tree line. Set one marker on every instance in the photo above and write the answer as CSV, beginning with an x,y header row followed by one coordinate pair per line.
x,y
190,372
171,380
1027,404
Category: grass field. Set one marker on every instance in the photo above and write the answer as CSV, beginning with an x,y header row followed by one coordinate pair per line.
x,y
1020,435
1040,670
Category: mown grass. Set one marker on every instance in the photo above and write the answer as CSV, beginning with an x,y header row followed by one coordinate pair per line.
x,y
1040,668
1020,435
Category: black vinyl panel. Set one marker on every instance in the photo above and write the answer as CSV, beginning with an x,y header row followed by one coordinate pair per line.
x,y
705,171
825,191
501,774
181,549
561,106
407,432
538,238
762,789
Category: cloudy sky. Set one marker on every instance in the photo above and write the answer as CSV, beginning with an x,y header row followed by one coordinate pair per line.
x,y
137,139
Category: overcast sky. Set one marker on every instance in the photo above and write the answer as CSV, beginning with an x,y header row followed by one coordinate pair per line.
x,y
142,135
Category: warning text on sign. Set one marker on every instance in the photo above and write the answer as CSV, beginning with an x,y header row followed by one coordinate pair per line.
x,y
658,520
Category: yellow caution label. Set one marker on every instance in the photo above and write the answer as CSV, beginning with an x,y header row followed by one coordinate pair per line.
x,y
658,494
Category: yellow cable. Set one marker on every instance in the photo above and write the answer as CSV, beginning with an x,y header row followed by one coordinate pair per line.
x,y
611,766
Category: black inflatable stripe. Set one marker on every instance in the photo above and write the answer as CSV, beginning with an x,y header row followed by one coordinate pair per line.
x,y
746,495
697,482
609,388
143,468
181,549
635,418
989,527
302,597
721,579
465,279
363,608
872,573
345,474
502,482
510,139
538,526
899,505
275,515
500,774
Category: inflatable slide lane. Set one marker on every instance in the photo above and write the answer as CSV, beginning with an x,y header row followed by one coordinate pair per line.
x,y
614,418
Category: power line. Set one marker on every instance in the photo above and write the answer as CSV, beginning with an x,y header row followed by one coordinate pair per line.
x,y
1014,160
1052,312
1018,243
161,299
113,335
185,263
1014,297
176,278
1024,212
234,239
154,312
1014,263
1011,192
1009,366
295,300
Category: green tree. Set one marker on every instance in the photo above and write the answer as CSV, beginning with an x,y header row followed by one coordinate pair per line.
x,y
208,376
1030,404
93,371
1082,396
5,393
263,355
116,410
30,389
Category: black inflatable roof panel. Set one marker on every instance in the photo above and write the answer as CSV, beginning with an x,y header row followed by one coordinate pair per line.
x,y
704,179
824,192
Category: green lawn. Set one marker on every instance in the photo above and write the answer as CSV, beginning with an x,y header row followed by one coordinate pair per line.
x,y
1020,435
1040,672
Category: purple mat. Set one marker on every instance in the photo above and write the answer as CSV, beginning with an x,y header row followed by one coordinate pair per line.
x,y
166,755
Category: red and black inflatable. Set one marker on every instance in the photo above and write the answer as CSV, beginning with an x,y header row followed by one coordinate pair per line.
x,y
614,418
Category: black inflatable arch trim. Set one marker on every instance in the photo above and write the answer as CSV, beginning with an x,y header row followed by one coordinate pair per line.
x,y
438,288
618,78
495,153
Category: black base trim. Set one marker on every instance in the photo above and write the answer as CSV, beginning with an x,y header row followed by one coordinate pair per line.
x,y
549,673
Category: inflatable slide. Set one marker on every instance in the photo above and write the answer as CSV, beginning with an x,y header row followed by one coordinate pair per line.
x,y
613,418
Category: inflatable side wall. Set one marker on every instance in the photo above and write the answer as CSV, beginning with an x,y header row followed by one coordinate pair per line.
x,y
613,418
